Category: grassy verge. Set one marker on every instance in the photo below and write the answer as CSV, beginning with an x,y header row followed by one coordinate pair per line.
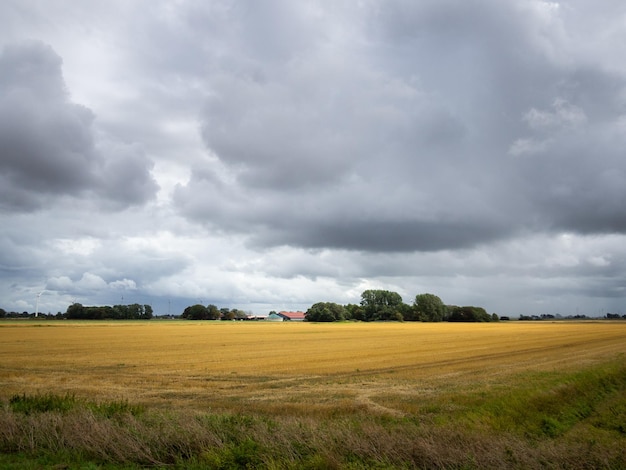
x,y
535,420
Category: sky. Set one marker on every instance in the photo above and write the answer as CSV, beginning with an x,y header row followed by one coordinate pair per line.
x,y
268,155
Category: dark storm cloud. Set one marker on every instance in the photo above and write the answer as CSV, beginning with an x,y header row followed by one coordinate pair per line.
x,y
47,144
386,236
444,125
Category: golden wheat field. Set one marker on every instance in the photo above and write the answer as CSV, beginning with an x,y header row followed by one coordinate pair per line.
x,y
274,366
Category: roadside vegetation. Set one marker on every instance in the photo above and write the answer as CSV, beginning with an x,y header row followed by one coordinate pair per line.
x,y
573,420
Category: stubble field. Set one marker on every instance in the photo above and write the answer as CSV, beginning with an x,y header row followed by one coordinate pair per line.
x,y
426,378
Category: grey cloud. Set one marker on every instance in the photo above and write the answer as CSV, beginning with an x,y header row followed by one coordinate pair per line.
x,y
467,148
378,234
573,164
125,177
47,143
33,68
362,215
454,125
16,260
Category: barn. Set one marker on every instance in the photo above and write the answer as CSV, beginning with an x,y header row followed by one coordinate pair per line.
x,y
292,316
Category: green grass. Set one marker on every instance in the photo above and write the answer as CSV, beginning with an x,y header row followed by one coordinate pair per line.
x,y
117,408
548,405
60,461
532,420
41,403
50,402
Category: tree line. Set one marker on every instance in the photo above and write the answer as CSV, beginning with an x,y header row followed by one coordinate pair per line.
x,y
211,312
375,305
78,311
384,305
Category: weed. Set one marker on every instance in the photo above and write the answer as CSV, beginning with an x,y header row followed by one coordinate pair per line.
x,y
41,403
117,408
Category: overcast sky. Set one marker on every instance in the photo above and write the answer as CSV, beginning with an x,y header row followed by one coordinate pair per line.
x,y
272,154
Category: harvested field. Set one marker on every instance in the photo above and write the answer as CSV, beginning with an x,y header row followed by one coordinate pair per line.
x,y
288,367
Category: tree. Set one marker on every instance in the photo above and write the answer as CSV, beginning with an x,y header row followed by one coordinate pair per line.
x,y
75,311
353,312
381,305
227,314
148,313
213,312
3,313
200,312
239,314
469,314
429,307
195,312
325,312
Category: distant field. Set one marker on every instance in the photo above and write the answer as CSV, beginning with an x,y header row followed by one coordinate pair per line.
x,y
224,365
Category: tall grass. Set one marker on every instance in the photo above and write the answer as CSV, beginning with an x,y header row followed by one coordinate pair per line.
x,y
571,420
41,403
50,402
540,405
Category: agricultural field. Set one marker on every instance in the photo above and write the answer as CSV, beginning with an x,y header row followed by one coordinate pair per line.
x,y
293,395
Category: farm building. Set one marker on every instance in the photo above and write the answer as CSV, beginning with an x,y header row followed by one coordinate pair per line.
x,y
292,316
274,317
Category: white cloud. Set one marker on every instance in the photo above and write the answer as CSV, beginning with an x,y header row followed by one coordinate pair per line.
x,y
528,147
77,246
562,115
123,284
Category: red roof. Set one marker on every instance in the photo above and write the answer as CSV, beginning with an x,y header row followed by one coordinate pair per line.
x,y
293,315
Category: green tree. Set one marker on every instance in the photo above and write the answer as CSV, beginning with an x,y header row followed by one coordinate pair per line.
x,y
135,311
148,313
469,314
213,312
326,312
239,314
121,311
381,304
75,312
196,312
353,312
429,307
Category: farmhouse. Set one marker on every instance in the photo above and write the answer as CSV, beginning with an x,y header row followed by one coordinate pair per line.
x,y
292,316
